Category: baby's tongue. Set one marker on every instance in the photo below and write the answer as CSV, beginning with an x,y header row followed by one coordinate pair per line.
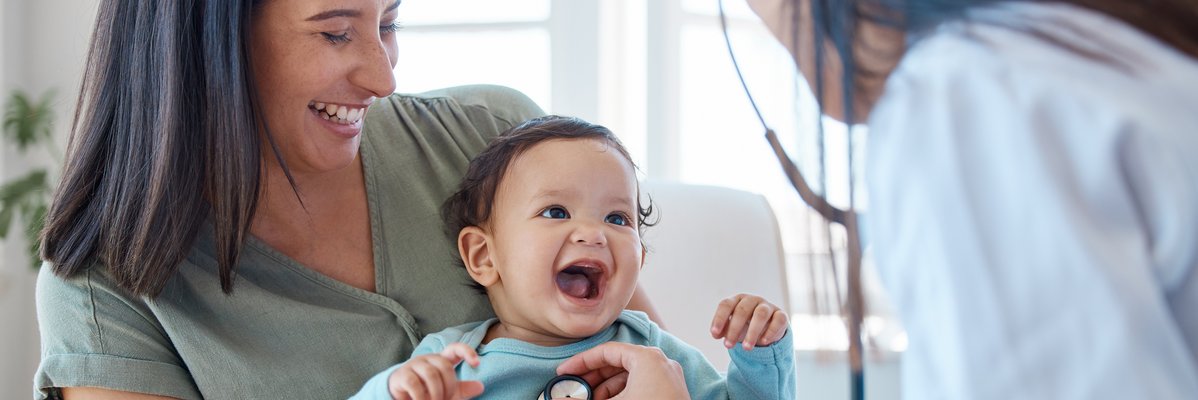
x,y
576,285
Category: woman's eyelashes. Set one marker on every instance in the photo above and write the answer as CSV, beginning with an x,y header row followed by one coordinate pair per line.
x,y
343,36
390,28
336,38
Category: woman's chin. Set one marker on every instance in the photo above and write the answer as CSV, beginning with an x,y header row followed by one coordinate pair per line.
x,y
326,161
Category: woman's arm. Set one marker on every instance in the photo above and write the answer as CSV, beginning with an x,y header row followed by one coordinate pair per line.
x,y
640,302
93,393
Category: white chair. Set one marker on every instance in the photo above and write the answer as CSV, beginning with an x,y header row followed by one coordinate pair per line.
x,y
710,243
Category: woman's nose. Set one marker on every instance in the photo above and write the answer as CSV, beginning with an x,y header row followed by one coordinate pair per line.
x,y
375,71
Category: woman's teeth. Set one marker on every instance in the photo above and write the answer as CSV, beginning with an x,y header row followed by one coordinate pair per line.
x,y
337,113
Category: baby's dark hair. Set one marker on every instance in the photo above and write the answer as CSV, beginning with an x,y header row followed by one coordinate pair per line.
x,y
471,205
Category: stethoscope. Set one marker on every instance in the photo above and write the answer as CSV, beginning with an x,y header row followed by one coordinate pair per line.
x,y
844,217
566,387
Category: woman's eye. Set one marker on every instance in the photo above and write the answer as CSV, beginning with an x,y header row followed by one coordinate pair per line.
x,y
390,28
616,219
555,213
336,38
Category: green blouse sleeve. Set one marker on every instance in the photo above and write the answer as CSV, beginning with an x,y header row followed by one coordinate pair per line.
x,y
95,334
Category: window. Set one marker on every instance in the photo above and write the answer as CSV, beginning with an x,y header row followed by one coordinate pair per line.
x,y
448,43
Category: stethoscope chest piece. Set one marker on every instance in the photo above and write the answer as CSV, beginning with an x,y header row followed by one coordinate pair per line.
x,y
567,387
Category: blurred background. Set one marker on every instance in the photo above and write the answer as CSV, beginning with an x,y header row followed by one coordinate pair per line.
x,y
655,72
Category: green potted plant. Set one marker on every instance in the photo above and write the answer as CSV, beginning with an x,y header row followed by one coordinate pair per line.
x,y
27,124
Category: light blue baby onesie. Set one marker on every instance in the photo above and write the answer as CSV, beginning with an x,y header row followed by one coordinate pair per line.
x,y
512,369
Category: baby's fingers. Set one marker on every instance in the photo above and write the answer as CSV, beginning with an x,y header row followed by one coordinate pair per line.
x,y
722,310
719,323
758,325
407,385
469,389
458,352
779,323
739,322
436,383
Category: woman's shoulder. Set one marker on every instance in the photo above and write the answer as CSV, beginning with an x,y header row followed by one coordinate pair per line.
x,y
92,331
58,294
481,102
444,122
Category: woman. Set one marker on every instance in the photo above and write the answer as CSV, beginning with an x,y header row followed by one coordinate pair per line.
x,y
1033,189
227,227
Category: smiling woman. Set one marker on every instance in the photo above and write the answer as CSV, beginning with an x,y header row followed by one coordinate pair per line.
x,y
247,211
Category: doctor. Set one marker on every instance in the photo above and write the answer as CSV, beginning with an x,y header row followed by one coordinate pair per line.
x,y
1033,185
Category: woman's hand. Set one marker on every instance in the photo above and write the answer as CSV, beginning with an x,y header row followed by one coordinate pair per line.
x,y
748,319
431,376
622,371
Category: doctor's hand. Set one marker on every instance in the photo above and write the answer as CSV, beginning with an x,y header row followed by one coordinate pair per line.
x,y
622,371
432,376
748,319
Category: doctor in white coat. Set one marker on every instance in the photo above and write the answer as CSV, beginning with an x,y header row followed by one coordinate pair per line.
x,y
1032,174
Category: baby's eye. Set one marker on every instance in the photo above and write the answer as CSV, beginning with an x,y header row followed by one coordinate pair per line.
x,y
616,219
555,212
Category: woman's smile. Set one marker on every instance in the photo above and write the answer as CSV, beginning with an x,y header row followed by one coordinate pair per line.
x,y
343,120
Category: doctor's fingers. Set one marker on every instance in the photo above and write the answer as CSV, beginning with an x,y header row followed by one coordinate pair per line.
x,y
611,387
651,375
597,376
630,357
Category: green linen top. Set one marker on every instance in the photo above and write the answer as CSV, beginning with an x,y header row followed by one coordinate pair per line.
x,y
287,331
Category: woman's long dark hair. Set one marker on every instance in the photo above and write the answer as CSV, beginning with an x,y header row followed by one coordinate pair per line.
x,y
165,137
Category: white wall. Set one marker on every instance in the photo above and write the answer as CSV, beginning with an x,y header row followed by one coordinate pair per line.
x,y
42,46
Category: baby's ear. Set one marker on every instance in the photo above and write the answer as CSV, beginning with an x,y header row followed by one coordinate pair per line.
x,y
475,247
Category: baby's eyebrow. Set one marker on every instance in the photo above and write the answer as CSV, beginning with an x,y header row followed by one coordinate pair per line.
x,y
552,193
623,202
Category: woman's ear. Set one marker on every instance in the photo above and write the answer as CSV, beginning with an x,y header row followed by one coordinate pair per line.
x,y
475,247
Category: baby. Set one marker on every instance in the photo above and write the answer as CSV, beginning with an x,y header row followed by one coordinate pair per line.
x,y
549,224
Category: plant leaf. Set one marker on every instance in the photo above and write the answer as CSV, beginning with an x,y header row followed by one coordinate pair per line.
x,y
6,214
22,188
27,123
24,195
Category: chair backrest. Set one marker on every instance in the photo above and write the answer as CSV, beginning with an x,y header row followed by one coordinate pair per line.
x,y
710,243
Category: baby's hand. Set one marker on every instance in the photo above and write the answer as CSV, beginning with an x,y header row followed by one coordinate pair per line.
x,y
431,376
749,319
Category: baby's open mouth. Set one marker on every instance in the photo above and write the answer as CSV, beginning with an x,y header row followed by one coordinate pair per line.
x,y
581,281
